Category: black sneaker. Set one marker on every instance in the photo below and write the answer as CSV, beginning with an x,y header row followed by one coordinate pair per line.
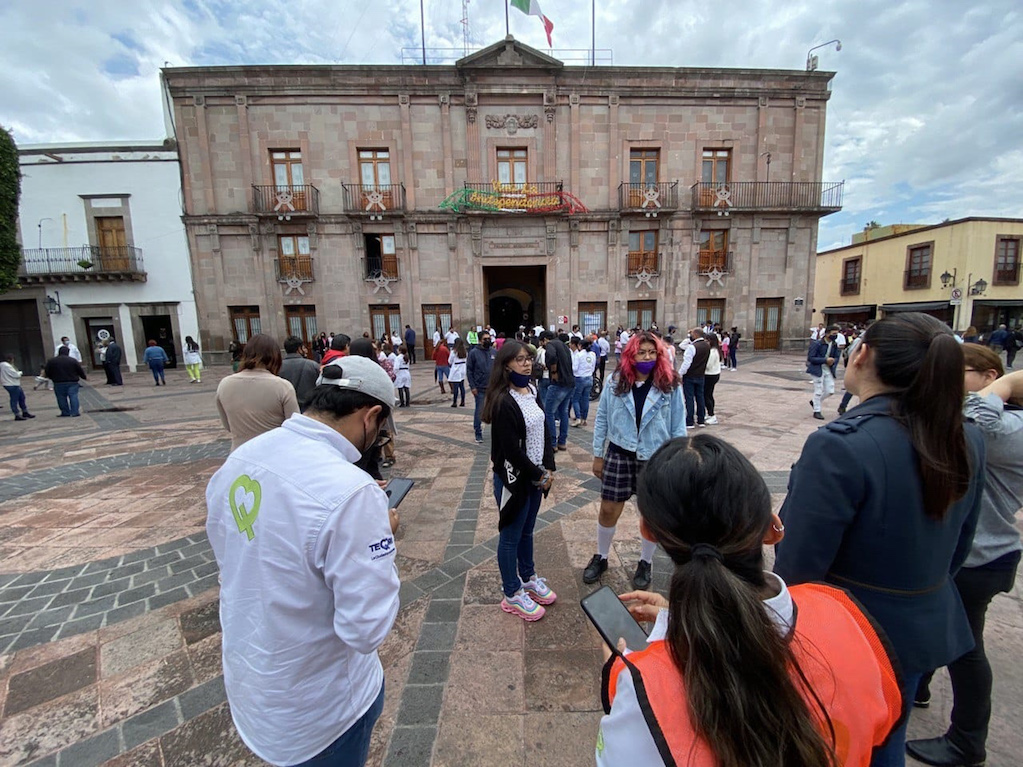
x,y
922,699
841,410
594,569
641,580
819,416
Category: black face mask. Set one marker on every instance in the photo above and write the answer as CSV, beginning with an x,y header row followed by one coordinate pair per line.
x,y
486,343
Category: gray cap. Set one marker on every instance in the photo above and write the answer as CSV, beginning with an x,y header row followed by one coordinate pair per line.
x,y
361,374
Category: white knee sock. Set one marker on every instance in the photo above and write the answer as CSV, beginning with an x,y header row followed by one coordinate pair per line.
x,y
646,553
605,535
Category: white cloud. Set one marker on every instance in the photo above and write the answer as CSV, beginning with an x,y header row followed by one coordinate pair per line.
x,y
925,121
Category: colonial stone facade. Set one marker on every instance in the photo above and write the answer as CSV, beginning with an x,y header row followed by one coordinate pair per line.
x,y
507,188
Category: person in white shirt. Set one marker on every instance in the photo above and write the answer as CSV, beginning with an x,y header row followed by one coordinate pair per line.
x,y
65,341
10,379
309,587
584,362
604,347
817,333
451,336
436,338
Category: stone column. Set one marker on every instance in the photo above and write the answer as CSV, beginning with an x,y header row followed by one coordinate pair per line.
x,y
576,147
404,104
445,135
797,140
204,152
550,136
244,143
762,107
472,138
614,160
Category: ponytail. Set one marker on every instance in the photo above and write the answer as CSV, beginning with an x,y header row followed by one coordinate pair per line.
x,y
917,356
709,509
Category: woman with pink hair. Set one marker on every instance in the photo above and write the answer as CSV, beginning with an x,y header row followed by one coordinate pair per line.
x,y
640,409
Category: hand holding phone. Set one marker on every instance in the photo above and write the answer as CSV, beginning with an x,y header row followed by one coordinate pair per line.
x,y
613,620
396,491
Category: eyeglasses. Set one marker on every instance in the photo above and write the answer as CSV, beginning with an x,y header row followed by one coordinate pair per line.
x,y
522,358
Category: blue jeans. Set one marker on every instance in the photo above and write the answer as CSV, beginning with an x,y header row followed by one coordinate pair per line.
x,y
581,397
477,424
693,390
352,748
894,752
559,398
541,388
67,397
515,547
456,388
731,356
157,368
17,399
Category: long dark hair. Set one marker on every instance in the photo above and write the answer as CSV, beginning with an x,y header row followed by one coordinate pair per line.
x,y
261,351
919,360
500,381
190,344
738,667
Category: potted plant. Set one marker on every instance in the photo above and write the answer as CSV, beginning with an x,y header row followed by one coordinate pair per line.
x,y
85,263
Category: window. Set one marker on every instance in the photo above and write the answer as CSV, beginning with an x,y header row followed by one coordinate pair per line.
x,y
511,166
851,276
710,310
385,321
302,322
713,251
918,266
244,322
293,257
381,256
643,252
717,166
643,165
112,241
287,168
592,317
435,317
641,314
1006,261
375,167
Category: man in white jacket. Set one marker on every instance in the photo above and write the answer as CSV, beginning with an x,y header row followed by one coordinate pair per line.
x,y
309,591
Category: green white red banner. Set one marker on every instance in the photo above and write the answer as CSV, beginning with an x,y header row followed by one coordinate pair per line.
x,y
532,8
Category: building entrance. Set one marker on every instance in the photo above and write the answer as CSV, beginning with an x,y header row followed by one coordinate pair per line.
x,y
516,296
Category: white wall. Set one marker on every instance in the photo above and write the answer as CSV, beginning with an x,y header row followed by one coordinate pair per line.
x,y
50,189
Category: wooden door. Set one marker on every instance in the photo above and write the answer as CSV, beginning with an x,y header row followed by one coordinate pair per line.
x,y
302,323
385,319
767,330
435,317
113,251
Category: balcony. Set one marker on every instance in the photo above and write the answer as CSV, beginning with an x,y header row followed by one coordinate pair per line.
x,y
286,202
712,261
783,196
295,267
374,200
1008,275
850,287
89,263
916,279
541,198
649,198
640,262
381,272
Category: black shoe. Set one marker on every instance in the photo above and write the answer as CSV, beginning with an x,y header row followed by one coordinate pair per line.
x,y
811,403
841,410
27,415
922,699
941,752
594,569
19,418
641,580
818,416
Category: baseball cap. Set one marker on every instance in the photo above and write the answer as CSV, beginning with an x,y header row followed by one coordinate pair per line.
x,y
362,375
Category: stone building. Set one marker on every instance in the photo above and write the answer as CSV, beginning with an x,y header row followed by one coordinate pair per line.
x,y
507,188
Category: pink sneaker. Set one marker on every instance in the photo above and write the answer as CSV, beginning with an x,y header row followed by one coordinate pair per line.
x,y
540,591
523,606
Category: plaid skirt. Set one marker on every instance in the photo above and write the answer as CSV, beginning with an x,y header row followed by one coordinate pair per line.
x,y
621,469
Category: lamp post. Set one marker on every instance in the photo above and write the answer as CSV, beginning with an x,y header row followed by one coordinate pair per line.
x,y
811,61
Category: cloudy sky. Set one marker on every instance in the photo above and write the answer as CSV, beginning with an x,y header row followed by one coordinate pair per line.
x,y
925,121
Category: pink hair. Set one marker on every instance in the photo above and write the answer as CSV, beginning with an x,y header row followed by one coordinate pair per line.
x,y
664,375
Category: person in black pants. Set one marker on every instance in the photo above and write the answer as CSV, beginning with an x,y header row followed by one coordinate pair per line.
x,y
410,342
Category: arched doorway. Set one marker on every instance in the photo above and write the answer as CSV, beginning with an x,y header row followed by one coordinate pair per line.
x,y
515,297
506,315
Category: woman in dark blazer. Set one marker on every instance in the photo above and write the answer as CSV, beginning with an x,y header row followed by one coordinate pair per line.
x,y
884,501
523,458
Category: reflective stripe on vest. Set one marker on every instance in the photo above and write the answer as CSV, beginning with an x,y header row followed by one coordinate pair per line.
x,y
839,651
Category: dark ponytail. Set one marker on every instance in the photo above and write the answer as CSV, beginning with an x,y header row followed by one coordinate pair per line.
x,y
917,357
709,509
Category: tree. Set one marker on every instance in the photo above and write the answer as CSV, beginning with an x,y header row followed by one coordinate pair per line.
x,y
10,191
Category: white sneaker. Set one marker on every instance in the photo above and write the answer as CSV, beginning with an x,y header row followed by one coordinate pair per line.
x,y
711,420
539,590
522,605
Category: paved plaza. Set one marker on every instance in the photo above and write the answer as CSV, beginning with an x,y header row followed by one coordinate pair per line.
x,y
109,630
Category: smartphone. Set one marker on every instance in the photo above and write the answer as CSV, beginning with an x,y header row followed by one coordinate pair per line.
x,y
396,491
613,619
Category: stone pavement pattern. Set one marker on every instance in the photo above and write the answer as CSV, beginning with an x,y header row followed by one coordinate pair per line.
x,y
109,630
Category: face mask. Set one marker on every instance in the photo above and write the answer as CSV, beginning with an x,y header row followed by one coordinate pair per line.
x,y
646,367
486,344
519,379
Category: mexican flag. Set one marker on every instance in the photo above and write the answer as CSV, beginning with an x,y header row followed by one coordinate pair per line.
x,y
532,8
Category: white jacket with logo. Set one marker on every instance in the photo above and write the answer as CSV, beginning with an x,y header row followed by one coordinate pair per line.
x,y
309,587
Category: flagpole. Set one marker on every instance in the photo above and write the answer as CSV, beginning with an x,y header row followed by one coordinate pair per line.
x,y
506,28
422,26
593,32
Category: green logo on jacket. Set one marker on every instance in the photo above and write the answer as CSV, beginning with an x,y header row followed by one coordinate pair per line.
x,y
244,496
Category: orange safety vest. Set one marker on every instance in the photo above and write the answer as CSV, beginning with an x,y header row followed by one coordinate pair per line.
x,y
838,649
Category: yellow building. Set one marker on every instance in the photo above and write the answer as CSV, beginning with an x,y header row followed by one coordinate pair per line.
x,y
964,272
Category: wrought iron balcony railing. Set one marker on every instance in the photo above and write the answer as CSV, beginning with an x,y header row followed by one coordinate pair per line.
x,y
649,198
383,267
806,196
1007,276
710,261
294,267
286,202
850,287
640,262
915,280
374,200
89,263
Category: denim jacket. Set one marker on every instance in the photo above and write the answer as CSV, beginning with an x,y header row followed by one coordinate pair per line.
x,y
664,418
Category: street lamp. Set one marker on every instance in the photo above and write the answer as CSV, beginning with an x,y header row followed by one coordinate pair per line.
x,y
53,304
978,288
811,61
947,278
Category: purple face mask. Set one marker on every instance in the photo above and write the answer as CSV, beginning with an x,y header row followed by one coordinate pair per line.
x,y
646,367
